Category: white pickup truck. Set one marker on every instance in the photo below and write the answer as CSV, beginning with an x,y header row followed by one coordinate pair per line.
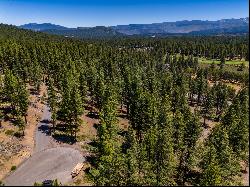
x,y
76,170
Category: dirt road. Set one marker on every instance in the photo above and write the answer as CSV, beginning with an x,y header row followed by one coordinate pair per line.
x,y
43,139
49,160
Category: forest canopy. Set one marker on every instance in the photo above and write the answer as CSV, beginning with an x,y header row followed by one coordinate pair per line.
x,y
159,84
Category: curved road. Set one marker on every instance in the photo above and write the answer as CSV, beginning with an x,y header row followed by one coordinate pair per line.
x,y
49,160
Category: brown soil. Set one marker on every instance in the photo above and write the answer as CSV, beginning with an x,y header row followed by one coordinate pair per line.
x,y
245,175
87,133
89,125
209,126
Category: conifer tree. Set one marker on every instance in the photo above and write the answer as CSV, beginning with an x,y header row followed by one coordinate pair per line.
x,y
227,160
208,104
52,101
212,173
23,101
107,140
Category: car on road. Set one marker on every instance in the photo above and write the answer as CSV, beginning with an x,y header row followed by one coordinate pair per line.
x,y
47,182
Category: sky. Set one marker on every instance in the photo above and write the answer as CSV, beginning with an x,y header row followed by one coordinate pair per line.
x,y
84,13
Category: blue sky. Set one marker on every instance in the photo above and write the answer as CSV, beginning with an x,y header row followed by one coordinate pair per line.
x,y
73,13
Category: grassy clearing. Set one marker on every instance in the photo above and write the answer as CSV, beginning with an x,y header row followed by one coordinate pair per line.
x,y
231,62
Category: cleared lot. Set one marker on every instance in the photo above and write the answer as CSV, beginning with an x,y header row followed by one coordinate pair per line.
x,y
54,163
49,161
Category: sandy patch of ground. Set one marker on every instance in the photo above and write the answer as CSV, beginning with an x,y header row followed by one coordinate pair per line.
x,y
246,177
88,129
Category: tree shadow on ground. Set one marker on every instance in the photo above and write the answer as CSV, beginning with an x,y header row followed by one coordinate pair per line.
x,y
89,108
6,111
45,121
123,133
45,129
93,115
206,125
194,177
64,138
96,125
33,91
91,159
124,116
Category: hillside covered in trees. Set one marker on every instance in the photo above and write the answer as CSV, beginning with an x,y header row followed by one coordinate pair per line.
x,y
187,124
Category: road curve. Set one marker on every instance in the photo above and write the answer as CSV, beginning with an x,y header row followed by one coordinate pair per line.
x,y
49,160
54,163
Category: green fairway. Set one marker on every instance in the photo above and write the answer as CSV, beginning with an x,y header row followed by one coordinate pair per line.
x,y
231,62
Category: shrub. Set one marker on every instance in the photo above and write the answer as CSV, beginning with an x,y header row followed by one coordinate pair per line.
x,y
1,183
13,168
18,134
9,132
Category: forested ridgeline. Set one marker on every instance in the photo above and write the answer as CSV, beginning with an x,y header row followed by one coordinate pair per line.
x,y
158,84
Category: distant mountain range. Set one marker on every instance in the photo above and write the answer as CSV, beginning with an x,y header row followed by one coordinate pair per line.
x,y
42,26
86,33
194,27
182,27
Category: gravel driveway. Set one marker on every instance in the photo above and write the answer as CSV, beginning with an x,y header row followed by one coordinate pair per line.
x,y
49,160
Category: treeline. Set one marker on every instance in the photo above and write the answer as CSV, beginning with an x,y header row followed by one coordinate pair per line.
x,y
161,88
211,47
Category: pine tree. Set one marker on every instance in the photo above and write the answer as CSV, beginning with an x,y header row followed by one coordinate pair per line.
x,y
23,102
208,104
107,140
77,108
211,174
16,93
52,101
71,106
222,62
164,161
20,123
221,96
201,86
236,121
227,160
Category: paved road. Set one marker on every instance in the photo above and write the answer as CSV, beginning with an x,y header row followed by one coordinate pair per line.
x,y
43,139
49,161
54,163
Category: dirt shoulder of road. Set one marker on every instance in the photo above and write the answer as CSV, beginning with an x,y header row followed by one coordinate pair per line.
x,y
13,151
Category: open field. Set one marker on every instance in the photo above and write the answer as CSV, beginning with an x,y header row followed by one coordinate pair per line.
x,y
231,62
